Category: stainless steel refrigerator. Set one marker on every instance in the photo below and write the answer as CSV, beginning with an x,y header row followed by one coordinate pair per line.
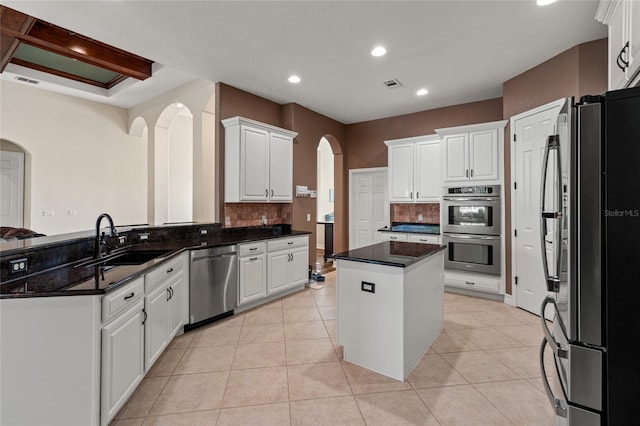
x,y
590,235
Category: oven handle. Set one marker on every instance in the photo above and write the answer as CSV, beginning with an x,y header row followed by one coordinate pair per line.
x,y
473,237
471,198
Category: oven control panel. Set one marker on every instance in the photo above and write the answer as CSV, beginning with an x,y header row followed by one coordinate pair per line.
x,y
490,190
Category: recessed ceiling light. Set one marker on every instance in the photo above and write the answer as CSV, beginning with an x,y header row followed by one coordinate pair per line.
x,y
294,79
422,92
544,2
378,51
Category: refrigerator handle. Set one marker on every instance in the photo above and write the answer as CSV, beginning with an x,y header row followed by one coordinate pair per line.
x,y
553,143
558,405
557,350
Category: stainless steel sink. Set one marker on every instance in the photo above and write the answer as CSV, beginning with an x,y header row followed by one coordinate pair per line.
x,y
131,257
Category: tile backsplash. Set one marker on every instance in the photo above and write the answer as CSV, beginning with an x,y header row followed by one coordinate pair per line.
x,y
410,213
250,214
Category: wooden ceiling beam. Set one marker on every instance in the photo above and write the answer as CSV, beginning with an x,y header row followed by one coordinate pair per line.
x,y
55,39
18,23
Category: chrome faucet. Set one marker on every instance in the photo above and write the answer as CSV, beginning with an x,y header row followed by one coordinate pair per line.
x,y
100,238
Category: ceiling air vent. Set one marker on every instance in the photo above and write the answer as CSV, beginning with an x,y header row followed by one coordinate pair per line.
x,y
392,83
27,80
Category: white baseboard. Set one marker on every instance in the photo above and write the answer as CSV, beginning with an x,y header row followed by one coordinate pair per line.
x,y
509,300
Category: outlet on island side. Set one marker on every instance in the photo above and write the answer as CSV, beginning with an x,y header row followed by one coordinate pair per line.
x,y
368,287
18,265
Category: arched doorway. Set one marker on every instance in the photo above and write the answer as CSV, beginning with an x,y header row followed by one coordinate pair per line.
x,y
14,191
325,210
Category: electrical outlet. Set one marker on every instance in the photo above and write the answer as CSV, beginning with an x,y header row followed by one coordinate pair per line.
x,y
73,212
368,287
308,217
419,217
18,265
203,232
227,220
48,212
263,220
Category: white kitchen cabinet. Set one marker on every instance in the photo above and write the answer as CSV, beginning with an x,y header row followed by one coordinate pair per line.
x,y
122,359
623,19
423,238
473,282
252,283
472,153
414,169
393,236
258,162
410,237
287,263
165,293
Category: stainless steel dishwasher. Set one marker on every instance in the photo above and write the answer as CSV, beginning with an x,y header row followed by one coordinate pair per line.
x,y
213,283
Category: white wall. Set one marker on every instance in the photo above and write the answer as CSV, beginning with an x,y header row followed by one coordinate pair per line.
x,y
325,178
180,196
82,158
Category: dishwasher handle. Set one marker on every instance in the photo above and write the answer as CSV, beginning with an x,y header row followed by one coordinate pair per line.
x,y
214,256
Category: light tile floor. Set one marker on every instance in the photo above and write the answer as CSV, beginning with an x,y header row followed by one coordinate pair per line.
x,y
279,365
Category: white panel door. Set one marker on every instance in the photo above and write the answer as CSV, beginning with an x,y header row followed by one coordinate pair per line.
x,y
255,164
369,206
401,173
156,327
281,168
176,302
11,188
299,266
531,133
456,157
483,154
427,173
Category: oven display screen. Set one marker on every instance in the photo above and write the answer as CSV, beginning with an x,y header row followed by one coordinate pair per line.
x,y
479,254
471,216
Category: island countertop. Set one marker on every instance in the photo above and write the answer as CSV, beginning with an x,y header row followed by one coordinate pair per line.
x,y
390,253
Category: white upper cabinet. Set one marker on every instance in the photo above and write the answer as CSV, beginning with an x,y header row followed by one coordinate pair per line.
x,y
473,153
414,169
623,19
258,162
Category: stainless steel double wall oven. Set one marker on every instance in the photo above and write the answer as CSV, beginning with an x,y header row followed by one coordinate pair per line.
x,y
471,228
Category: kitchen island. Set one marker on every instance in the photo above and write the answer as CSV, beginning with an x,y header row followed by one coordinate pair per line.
x,y
389,304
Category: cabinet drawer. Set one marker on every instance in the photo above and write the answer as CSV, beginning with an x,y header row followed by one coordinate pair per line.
x,y
424,239
119,300
168,269
474,283
287,243
251,249
394,236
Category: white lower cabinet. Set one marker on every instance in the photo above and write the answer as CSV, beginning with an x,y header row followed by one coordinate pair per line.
x,y
271,267
165,290
410,237
252,282
122,359
475,282
287,263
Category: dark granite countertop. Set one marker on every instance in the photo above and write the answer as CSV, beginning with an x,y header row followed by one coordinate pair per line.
x,y
70,279
413,228
391,253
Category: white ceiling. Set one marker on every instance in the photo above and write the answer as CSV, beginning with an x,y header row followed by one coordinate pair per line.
x,y
462,51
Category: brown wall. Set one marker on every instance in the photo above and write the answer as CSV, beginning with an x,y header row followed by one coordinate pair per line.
x,y
578,71
366,140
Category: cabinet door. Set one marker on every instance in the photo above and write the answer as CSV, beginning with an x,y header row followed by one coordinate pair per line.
x,y
483,152
299,266
633,32
281,168
617,40
122,360
177,294
427,171
401,173
456,156
254,173
278,271
156,328
252,281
